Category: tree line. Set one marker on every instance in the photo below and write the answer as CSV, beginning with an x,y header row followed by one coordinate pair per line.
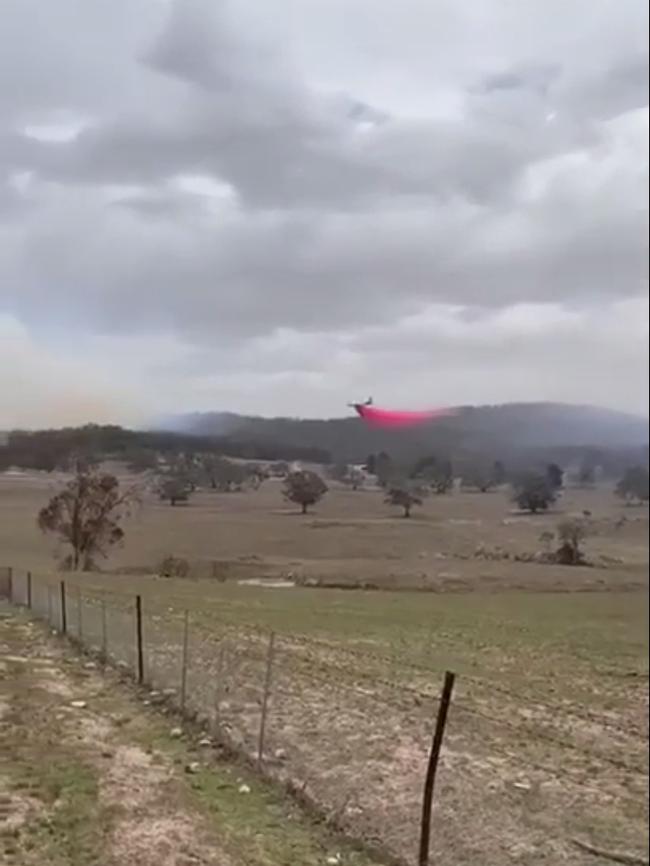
x,y
48,450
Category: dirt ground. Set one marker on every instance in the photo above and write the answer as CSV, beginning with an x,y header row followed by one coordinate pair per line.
x,y
89,777
352,537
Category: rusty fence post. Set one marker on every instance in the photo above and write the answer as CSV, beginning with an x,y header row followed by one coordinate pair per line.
x,y
29,590
265,697
427,799
184,659
138,638
64,612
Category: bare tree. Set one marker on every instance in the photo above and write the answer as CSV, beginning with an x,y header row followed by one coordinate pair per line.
x,y
86,515
304,487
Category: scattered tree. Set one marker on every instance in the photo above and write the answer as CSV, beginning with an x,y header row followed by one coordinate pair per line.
x,y
280,469
499,473
384,468
554,476
587,472
480,477
86,515
571,534
633,486
355,478
173,566
436,474
403,497
533,493
348,475
141,460
175,489
547,537
304,487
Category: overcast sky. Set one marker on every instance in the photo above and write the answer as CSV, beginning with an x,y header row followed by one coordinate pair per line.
x,y
277,208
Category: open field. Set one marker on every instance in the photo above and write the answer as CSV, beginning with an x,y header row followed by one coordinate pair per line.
x,y
547,739
351,537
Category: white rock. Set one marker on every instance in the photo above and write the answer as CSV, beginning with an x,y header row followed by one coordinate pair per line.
x,y
244,789
280,754
176,733
334,860
90,666
78,705
194,767
205,742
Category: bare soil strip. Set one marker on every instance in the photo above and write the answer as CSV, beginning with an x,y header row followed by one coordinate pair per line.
x,y
88,777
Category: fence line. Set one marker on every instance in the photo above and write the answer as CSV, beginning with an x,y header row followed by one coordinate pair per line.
x,y
258,691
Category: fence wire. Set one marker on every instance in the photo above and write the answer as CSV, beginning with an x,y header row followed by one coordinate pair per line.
x,y
327,721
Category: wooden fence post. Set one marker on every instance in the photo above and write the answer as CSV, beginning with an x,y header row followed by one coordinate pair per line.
x,y
64,613
265,697
427,800
104,631
184,659
138,637
218,689
29,590
79,614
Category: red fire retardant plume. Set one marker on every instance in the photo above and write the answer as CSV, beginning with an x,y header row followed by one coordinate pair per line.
x,y
395,418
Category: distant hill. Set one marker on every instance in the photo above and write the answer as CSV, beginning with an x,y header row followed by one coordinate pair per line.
x,y
499,431
519,435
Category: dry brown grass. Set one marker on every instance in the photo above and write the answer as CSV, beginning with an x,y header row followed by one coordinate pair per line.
x,y
351,537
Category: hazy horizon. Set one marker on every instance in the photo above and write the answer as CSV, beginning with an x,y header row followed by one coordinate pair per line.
x,y
277,210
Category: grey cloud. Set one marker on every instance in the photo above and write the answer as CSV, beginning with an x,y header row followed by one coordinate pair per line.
x,y
341,212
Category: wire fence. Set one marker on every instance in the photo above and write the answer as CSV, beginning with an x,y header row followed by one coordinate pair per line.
x,y
350,730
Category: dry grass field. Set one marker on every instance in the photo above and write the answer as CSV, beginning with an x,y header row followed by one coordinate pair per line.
x,y
547,744
351,537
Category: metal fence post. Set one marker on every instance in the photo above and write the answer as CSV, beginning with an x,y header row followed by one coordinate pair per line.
x,y
29,590
265,697
64,613
184,659
138,638
427,800
49,604
10,584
